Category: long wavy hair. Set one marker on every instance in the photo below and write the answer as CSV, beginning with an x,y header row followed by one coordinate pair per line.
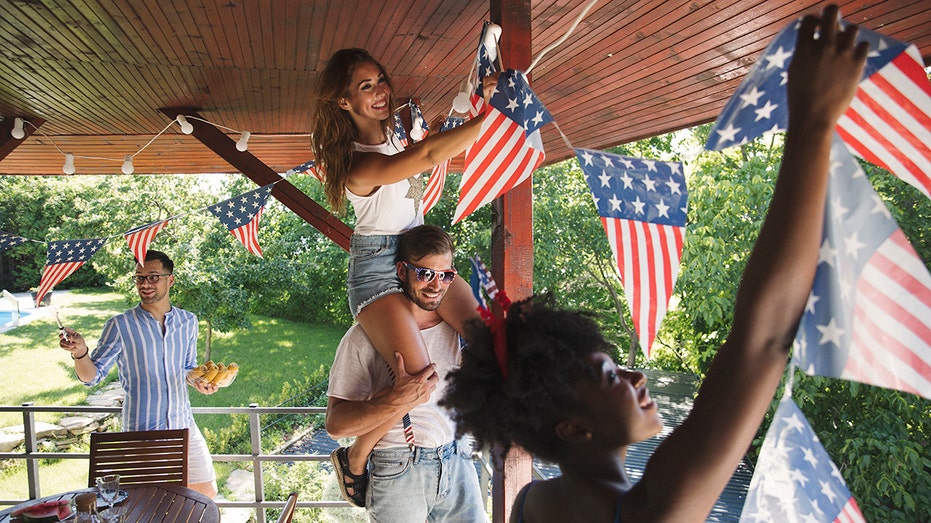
x,y
333,129
547,347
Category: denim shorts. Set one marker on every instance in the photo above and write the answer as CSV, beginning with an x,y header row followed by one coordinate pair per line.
x,y
426,484
372,272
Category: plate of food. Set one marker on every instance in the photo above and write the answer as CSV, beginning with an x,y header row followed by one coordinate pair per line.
x,y
219,374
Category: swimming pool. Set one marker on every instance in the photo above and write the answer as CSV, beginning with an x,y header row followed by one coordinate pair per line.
x,y
8,320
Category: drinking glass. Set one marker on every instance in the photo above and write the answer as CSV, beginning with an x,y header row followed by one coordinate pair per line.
x,y
109,488
114,515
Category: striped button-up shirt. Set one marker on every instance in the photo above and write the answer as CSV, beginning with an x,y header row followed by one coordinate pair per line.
x,y
152,366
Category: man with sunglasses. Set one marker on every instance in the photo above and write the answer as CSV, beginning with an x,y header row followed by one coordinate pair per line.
x,y
435,480
153,346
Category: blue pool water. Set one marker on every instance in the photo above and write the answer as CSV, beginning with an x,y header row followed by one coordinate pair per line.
x,y
6,318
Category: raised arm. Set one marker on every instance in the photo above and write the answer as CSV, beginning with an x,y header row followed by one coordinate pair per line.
x,y
690,469
370,170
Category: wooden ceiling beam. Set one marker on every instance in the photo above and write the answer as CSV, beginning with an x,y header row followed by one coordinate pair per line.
x,y
292,197
7,143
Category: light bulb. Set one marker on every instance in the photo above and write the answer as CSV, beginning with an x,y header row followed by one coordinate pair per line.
x,y
243,144
417,130
461,101
69,164
186,126
127,164
18,131
492,35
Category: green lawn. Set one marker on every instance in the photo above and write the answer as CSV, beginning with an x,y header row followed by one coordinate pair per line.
x,y
273,355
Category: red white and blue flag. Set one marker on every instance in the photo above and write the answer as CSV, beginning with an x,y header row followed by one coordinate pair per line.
x,y
65,257
437,182
642,204
140,237
308,167
399,129
485,65
868,318
888,122
508,147
8,241
795,479
241,215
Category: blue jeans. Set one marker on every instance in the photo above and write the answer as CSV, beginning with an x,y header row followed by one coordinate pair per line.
x,y
428,484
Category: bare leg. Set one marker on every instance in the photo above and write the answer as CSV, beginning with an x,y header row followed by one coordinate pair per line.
x,y
207,488
391,327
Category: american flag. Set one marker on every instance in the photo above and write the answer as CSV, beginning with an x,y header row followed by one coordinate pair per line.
x,y
8,241
241,215
140,237
868,316
419,126
509,146
642,204
65,257
484,66
888,122
437,181
399,129
795,479
481,279
308,167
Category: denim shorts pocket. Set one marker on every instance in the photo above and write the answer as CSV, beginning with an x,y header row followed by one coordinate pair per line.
x,y
389,467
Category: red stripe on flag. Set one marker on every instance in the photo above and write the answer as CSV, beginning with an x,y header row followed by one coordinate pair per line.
x,y
889,121
248,234
891,343
648,259
52,275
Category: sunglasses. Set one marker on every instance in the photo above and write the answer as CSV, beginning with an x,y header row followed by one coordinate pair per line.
x,y
151,278
426,275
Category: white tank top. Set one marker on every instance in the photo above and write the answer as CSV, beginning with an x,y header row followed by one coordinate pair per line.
x,y
392,208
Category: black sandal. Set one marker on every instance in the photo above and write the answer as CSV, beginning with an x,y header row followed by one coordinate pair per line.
x,y
359,482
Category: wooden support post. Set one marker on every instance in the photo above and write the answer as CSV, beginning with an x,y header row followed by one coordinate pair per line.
x,y
292,197
512,243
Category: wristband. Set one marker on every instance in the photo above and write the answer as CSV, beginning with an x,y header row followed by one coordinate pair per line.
x,y
82,356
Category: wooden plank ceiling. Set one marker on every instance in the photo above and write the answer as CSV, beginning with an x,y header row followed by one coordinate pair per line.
x,y
98,71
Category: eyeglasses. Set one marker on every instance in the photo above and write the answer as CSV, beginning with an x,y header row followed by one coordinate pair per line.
x,y
426,275
151,278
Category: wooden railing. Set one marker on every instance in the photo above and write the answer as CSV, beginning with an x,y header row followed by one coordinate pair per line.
x,y
257,458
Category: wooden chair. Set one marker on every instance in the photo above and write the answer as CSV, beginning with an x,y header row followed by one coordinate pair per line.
x,y
288,511
147,456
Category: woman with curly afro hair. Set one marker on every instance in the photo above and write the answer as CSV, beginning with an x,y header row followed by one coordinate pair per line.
x,y
561,397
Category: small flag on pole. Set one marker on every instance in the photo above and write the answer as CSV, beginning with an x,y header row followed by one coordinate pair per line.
x,y
65,257
140,237
241,215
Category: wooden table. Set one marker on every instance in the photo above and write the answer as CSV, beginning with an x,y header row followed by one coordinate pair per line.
x,y
147,503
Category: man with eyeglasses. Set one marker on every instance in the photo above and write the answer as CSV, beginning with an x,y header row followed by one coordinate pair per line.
x,y
153,346
436,479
